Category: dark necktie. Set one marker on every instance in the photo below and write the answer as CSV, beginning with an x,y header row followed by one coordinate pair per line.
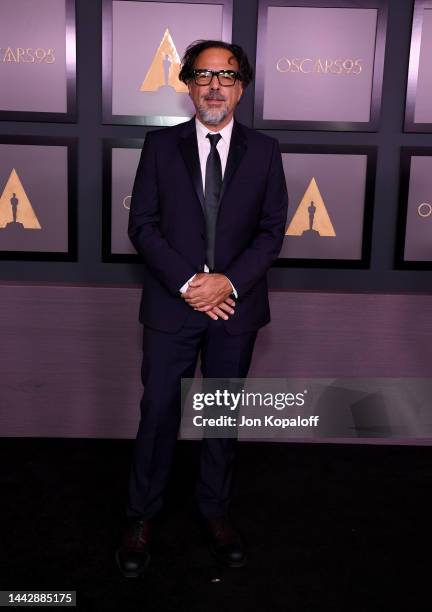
x,y
213,184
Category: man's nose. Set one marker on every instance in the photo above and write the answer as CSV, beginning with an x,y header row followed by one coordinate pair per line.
x,y
214,83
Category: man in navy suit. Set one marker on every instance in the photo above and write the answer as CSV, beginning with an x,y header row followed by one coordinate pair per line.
x,y
207,217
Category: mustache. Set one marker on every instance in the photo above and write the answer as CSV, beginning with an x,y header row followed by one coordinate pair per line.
x,y
214,96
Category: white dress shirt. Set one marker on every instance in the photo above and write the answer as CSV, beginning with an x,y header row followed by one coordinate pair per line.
x,y
203,151
204,146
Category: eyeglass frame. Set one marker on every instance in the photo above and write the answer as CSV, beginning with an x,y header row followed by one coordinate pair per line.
x,y
215,73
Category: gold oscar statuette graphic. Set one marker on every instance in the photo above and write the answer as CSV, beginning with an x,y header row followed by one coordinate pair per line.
x,y
311,216
16,210
165,67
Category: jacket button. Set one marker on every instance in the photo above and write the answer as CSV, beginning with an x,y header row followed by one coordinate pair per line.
x,y
202,237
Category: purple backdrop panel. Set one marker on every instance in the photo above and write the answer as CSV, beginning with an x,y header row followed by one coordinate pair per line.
x,y
149,39
326,205
319,63
124,166
94,389
33,198
423,99
33,56
418,237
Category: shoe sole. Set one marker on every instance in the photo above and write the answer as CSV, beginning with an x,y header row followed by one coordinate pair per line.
x,y
131,574
228,563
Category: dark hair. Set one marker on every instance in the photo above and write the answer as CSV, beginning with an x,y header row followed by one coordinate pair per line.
x,y
194,49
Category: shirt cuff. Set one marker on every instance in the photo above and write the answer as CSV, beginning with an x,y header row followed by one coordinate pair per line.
x,y
233,288
184,287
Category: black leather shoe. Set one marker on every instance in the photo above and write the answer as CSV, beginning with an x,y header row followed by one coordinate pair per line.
x,y
225,542
133,554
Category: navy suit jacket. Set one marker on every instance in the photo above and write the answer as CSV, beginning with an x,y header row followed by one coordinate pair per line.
x,y
166,223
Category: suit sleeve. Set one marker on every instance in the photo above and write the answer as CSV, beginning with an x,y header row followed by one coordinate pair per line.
x,y
164,262
252,264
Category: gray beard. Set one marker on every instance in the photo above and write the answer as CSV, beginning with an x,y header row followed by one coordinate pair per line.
x,y
212,116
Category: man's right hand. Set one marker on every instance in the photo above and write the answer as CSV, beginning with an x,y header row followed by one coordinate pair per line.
x,y
222,310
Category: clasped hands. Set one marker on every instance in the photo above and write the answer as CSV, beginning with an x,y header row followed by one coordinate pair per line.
x,y
209,293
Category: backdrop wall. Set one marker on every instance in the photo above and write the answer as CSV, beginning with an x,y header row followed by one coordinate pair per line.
x,y
62,343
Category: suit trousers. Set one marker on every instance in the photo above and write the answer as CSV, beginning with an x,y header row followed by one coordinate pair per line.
x,y
167,358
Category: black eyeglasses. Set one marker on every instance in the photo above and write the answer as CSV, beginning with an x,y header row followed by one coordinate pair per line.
x,y
226,78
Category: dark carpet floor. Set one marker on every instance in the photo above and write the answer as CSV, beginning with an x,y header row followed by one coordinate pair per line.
x,y
329,527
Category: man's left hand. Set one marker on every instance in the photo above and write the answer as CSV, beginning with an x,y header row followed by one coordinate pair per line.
x,y
207,290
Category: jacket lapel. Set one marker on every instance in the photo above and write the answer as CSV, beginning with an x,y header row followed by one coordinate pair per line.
x,y
189,150
237,149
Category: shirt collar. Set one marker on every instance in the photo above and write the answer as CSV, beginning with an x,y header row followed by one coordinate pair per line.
x,y
225,132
